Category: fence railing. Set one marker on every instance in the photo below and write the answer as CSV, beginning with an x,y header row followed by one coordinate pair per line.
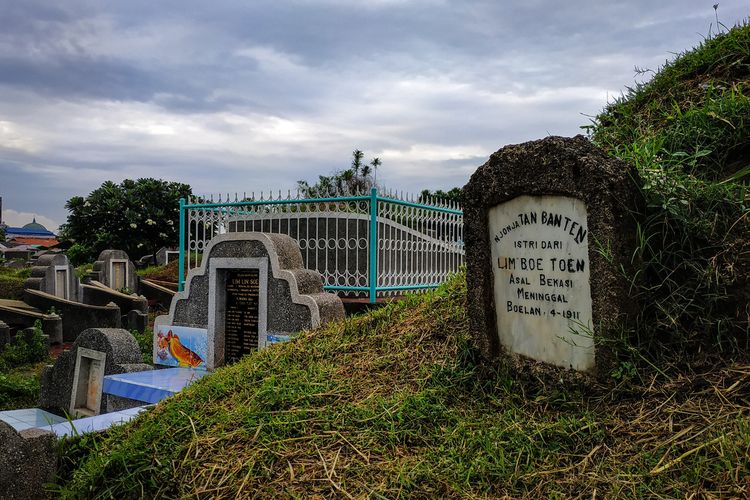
x,y
363,244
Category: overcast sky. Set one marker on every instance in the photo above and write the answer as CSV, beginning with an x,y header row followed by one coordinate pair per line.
x,y
251,95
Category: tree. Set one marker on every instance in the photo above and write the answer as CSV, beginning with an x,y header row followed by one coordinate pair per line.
x,y
356,179
450,195
138,217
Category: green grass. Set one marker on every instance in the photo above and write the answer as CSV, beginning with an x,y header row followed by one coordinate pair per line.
x,y
687,132
19,387
391,404
145,343
21,363
11,282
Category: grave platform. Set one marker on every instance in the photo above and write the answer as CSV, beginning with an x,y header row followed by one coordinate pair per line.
x,y
35,418
151,386
30,418
94,424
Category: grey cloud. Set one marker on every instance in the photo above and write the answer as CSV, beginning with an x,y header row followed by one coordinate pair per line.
x,y
330,75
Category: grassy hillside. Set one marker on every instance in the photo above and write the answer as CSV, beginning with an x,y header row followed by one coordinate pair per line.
x,y
392,404
688,132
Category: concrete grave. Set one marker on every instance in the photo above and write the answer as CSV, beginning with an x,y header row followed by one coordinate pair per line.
x,y
28,460
97,294
18,315
76,316
114,269
549,225
53,285
249,286
163,256
166,255
104,351
55,275
135,320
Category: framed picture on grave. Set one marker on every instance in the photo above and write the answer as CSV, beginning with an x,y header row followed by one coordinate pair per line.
x,y
181,346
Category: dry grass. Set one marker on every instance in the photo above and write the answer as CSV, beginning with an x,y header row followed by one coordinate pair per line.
x,y
391,404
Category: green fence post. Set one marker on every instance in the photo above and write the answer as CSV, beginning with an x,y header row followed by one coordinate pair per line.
x,y
373,244
181,266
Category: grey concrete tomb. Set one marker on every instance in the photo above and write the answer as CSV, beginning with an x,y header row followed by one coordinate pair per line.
x,y
28,459
96,352
289,297
549,226
55,275
114,269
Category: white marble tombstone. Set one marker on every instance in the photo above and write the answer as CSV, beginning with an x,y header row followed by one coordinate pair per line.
x,y
540,263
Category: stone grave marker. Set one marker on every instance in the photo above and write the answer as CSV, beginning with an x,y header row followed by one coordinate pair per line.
x,y
55,275
74,383
250,290
549,226
114,269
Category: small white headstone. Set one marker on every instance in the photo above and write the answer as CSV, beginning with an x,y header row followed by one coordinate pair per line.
x,y
542,292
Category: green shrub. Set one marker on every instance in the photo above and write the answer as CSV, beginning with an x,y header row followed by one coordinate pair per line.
x,y
18,390
145,342
11,287
23,351
83,270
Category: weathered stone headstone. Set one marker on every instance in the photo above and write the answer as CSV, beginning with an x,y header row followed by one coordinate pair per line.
x,y
250,287
165,255
114,269
121,354
549,227
55,275
135,320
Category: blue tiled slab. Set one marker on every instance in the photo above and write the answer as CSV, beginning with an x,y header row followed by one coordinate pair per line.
x,y
30,418
151,386
96,423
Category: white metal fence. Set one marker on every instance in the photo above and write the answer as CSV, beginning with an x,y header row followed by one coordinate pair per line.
x,y
402,242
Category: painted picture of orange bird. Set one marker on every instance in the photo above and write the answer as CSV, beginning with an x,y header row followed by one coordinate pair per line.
x,y
182,354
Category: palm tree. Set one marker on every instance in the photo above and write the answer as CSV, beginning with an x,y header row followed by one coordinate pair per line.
x,y
375,164
357,157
